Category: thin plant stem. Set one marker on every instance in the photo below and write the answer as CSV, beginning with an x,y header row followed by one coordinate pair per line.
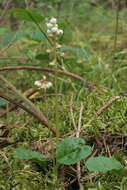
x,y
116,25
56,95
56,110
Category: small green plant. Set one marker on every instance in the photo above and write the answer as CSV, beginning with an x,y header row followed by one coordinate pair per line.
x,y
71,151
23,153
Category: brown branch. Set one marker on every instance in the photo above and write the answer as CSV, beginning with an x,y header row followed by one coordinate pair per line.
x,y
89,84
5,10
103,108
29,111
100,111
71,111
77,135
79,121
77,131
15,106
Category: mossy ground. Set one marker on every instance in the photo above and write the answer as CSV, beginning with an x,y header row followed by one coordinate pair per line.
x,y
91,28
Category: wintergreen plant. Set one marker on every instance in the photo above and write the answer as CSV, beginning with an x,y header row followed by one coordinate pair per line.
x,y
71,151
53,31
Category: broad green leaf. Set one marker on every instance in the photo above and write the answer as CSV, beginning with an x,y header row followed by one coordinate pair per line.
x,y
37,36
27,15
79,52
2,102
102,164
23,153
9,37
72,150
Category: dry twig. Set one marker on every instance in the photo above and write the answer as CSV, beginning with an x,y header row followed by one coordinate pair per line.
x,y
71,111
103,108
89,84
15,106
35,114
5,10
77,131
77,135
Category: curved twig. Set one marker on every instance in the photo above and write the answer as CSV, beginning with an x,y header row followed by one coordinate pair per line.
x,y
5,10
15,106
89,84
44,122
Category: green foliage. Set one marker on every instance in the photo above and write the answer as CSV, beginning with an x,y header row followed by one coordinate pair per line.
x,y
36,36
23,153
2,102
42,56
102,164
27,15
2,30
79,52
72,150
10,36
87,44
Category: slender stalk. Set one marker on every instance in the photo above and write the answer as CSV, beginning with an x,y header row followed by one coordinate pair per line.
x,y
116,25
56,95
56,109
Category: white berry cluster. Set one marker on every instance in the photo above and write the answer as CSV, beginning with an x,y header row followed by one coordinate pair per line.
x,y
52,27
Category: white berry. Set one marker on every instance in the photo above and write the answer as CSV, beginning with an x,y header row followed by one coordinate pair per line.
x,y
59,32
54,29
49,31
53,20
49,25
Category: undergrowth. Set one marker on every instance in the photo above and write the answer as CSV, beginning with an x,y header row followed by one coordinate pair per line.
x,y
89,41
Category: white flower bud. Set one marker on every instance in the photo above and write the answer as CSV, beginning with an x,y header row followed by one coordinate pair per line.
x,y
49,31
37,83
54,29
49,25
48,85
59,32
53,20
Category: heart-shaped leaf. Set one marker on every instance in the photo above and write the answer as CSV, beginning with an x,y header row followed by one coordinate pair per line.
x,y
23,153
102,164
72,150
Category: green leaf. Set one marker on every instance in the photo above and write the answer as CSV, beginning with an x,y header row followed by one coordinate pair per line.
x,y
27,15
79,52
9,37
42,56
2,31
72,150
67,36
37,36
102,164
23,153
2,102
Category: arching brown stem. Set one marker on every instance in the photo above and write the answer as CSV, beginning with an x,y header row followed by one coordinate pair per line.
x,y
89,84
29,111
